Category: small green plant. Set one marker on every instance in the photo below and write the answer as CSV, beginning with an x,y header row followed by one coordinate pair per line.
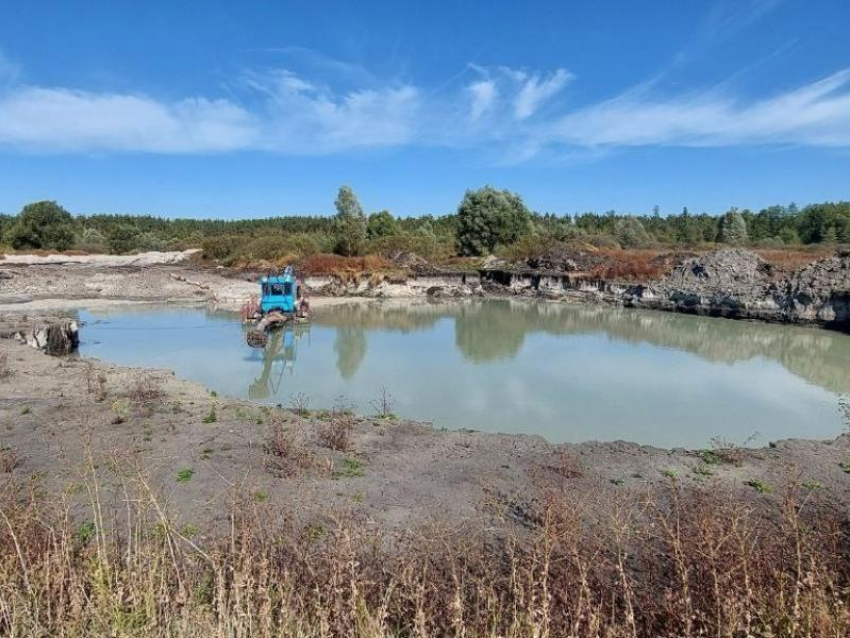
x,y
617,481
352,468
185,475
358,497
25,411
845,467
670,474
121,408
261,496
711,457
210,417
704,470
206,453
759,486
189,530
85,532
812,485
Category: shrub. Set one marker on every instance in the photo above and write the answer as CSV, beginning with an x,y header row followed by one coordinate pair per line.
x,y
43,225
488,218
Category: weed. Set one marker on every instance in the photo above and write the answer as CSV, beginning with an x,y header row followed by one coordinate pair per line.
x,y
324,415
261,496
384,405
206,453
704,470
711,457
95,383
845,467
185,475
285,457
26,410
759,486
8,460
210,417
300,404
358,497
189,530
5,368
352,468
670,474
121,408
85,532
812,485
617,481
145,390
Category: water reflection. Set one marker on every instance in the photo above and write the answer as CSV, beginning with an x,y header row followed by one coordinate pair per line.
x,y
278,359
569,373
496,330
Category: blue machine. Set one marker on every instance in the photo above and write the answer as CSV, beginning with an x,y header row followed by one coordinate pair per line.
x,y
279,293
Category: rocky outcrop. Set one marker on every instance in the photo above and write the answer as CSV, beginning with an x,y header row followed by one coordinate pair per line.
x,y
732,283
55,337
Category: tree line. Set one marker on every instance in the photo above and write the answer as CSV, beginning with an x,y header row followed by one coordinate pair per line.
x,y
487,221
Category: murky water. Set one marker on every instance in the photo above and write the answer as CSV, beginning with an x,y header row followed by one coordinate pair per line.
x,y
569,373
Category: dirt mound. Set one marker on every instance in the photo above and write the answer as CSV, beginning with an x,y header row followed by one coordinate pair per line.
x,y
566,260
730,271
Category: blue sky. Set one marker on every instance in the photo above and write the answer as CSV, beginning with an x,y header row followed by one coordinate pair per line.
x,y
239,109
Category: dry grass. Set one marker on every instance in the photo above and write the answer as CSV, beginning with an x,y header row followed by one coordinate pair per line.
x,y
284,456
5,368
791,259
145,390
634,265
680,564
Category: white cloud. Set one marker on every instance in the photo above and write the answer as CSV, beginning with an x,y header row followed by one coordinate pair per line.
x,y
484,94
817,114
536,90
507,112
44,119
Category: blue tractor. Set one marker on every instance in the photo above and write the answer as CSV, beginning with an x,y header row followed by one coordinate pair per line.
x,y
281,302
279,293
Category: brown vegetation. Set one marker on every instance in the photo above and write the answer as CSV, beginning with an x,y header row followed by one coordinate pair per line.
x,y
634,265
686,563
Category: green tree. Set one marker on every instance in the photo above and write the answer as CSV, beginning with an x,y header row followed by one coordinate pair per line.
x,y
381,224
488,218
350,223
43,225
733,229
123,238
631,233
830,235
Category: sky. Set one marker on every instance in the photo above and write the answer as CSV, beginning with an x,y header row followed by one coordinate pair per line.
x,y
265,107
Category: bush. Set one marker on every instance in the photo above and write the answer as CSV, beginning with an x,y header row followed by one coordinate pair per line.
x,y
123,239
488,218
44,225
631,233
92,241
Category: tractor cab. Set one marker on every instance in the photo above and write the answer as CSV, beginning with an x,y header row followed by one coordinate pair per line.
x,y
279,293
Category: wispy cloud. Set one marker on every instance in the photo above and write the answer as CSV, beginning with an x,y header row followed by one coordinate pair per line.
x,y
536,90
515,113
817,114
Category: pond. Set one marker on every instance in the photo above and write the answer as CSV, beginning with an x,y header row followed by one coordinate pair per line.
x,y
566,372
